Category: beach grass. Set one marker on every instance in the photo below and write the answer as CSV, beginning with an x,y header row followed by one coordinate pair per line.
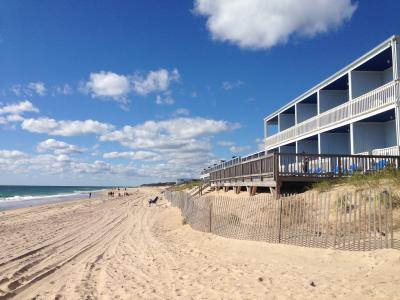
x,y
186,186
387,176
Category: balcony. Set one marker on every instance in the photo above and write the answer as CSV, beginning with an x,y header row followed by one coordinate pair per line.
x,y
372,102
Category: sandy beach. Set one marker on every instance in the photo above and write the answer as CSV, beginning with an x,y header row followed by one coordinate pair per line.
x,y
123,249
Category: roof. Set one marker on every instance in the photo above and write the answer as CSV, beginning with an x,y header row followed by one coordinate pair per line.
x,y
381,47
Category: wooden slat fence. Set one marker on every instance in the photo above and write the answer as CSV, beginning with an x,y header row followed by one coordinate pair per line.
x,y
348,221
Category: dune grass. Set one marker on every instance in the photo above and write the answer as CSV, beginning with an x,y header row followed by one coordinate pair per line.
x,y
388,176
186,186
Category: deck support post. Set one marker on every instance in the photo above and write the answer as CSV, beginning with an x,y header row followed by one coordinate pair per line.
x,y
237,189
277,190
252,190
226,188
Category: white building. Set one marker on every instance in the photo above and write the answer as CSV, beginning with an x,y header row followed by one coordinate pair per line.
x,y
354,111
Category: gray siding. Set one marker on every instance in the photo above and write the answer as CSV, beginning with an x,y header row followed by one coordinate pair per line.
x,y
335,143
329,99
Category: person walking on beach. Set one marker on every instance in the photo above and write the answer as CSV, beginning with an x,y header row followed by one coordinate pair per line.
x,y
90,195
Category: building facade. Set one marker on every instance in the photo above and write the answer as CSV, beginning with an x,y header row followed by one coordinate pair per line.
x,y
355,111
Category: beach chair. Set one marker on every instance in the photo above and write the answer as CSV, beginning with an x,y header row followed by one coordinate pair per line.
x,y
353,168
153,201
380,165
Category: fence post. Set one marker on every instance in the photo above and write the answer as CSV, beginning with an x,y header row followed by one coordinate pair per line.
x,y
211,207
280,218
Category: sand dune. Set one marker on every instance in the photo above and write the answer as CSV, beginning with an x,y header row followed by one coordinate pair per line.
x,y
123,249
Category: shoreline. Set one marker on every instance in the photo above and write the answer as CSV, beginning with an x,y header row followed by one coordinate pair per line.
x,y
32,201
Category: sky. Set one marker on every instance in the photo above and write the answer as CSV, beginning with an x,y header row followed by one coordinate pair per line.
x,y
131,92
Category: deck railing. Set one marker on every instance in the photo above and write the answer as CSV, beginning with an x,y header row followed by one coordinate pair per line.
x,y
379,98
262,166
278,165
395,150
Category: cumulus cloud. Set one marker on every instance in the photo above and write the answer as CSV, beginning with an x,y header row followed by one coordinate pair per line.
x,y
154,81
18,108
14,161
65,127
178,147
260,24
239,149
11,154
11,113
233,147
38,88
172,133
108,84
58,147
226,143
137,155
29,89
102,168
165,99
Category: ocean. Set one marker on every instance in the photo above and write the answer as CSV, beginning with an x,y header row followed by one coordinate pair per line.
x,y
16,196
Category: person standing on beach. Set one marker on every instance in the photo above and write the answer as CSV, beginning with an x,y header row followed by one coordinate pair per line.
x,y
90,195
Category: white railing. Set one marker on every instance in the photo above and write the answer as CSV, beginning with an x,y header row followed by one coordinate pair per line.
x,y
377,99
387,151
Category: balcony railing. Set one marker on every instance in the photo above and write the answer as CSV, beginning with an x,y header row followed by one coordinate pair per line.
x,y
377,99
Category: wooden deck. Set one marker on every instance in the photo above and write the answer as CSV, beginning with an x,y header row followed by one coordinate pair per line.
x,y
273,169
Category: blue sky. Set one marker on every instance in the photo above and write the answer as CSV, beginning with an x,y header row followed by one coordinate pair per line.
x,y
127,92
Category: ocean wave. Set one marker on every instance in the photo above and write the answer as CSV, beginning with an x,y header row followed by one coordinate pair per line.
x,y
40,197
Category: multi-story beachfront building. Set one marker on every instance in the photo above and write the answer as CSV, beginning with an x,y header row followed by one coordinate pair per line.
x,y
348,123
354,111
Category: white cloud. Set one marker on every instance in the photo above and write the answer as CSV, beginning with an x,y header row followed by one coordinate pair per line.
x,y
108,84
181,146
58,147
65,128
102,168
181,112
29,89
65,89
165,99
239,149
260,144
14,118
11,154
137,155
169,134
226,143
154,81
38,88
260,24
18,108
230,85
14,161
